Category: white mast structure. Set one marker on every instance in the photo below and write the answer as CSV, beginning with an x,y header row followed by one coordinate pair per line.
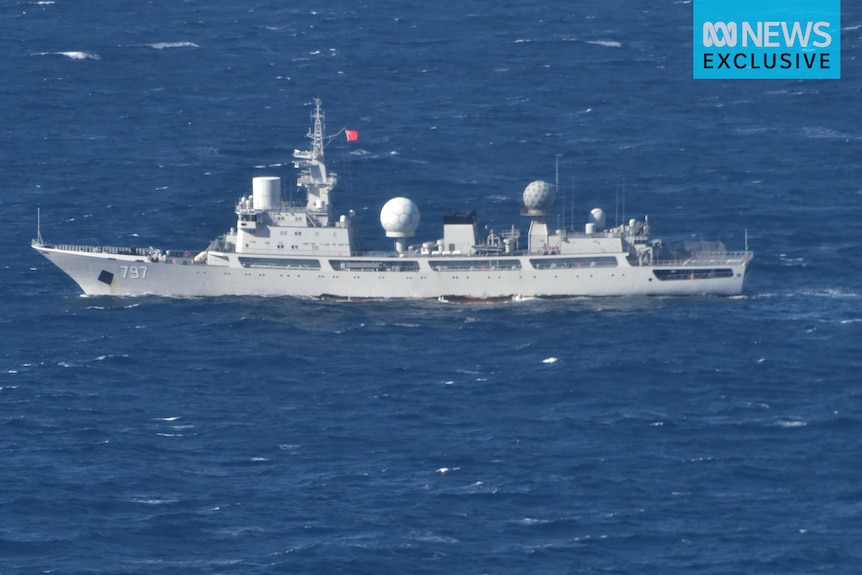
x,y
313,177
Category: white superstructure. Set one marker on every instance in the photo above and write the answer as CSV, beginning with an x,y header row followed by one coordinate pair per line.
x,y
282,248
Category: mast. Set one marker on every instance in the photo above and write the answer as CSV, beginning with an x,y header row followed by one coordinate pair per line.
x,y
313,177
557,188
317,135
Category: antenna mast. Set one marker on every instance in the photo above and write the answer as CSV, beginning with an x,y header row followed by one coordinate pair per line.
x,y
317,136
313,176
557,188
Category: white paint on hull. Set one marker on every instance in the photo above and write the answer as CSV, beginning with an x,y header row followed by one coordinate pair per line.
x,y
115,274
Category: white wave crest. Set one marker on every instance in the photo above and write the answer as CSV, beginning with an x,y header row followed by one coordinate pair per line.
x,y
153,501
533,521
791,423
605,43
168,45
80,55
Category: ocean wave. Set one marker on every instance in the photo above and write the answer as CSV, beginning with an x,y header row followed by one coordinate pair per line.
x,y
153,501
430,537
605,43
791,423
523,298
824,133
168,45
831,293
534,521
792,261
80,55
72,55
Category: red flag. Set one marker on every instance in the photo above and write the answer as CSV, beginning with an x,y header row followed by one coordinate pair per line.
x,y
352,135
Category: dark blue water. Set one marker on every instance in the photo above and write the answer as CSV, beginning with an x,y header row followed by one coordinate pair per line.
x,y
245,435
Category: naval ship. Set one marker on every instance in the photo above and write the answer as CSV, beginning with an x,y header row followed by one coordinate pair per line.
x,y
283,248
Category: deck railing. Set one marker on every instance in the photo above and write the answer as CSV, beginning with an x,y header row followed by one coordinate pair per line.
x,y
150,253
706,258
127,251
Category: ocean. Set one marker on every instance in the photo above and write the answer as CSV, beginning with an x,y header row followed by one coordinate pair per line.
x,y
251,435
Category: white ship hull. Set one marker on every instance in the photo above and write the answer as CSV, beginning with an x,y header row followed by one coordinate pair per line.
x,y
105,273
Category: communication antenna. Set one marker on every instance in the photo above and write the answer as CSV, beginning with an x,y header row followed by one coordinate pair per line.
x,y
557,169
557,186
624,201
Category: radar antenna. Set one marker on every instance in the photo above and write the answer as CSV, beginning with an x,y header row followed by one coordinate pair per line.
x,y
39,226
317,135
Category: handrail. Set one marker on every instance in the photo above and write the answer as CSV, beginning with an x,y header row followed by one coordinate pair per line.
x,y
128,251
150,253
702,258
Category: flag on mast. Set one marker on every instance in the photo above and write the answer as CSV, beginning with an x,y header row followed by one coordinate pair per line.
x,y
352,135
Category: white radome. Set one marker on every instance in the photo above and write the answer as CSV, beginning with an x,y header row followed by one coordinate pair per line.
x,y
538,195
597,216
399,217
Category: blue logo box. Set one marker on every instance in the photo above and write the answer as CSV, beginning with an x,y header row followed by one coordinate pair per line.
x,y
767,39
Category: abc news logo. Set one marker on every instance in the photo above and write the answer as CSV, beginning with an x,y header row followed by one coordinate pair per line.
x,y
766,34
767,39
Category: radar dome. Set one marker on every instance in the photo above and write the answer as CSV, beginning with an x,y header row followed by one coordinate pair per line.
x,y
597,216
400,218
539,195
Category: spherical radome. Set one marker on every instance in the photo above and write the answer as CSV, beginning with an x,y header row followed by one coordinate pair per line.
x,y
539,195
399,217
597,216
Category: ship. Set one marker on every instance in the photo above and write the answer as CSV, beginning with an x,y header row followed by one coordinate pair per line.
x,y
287,248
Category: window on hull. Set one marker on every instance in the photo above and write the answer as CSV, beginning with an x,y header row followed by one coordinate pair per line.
x,y
460,265
689,274
569,263
281,263
375,265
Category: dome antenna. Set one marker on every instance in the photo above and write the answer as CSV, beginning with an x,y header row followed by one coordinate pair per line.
x,y
399,218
